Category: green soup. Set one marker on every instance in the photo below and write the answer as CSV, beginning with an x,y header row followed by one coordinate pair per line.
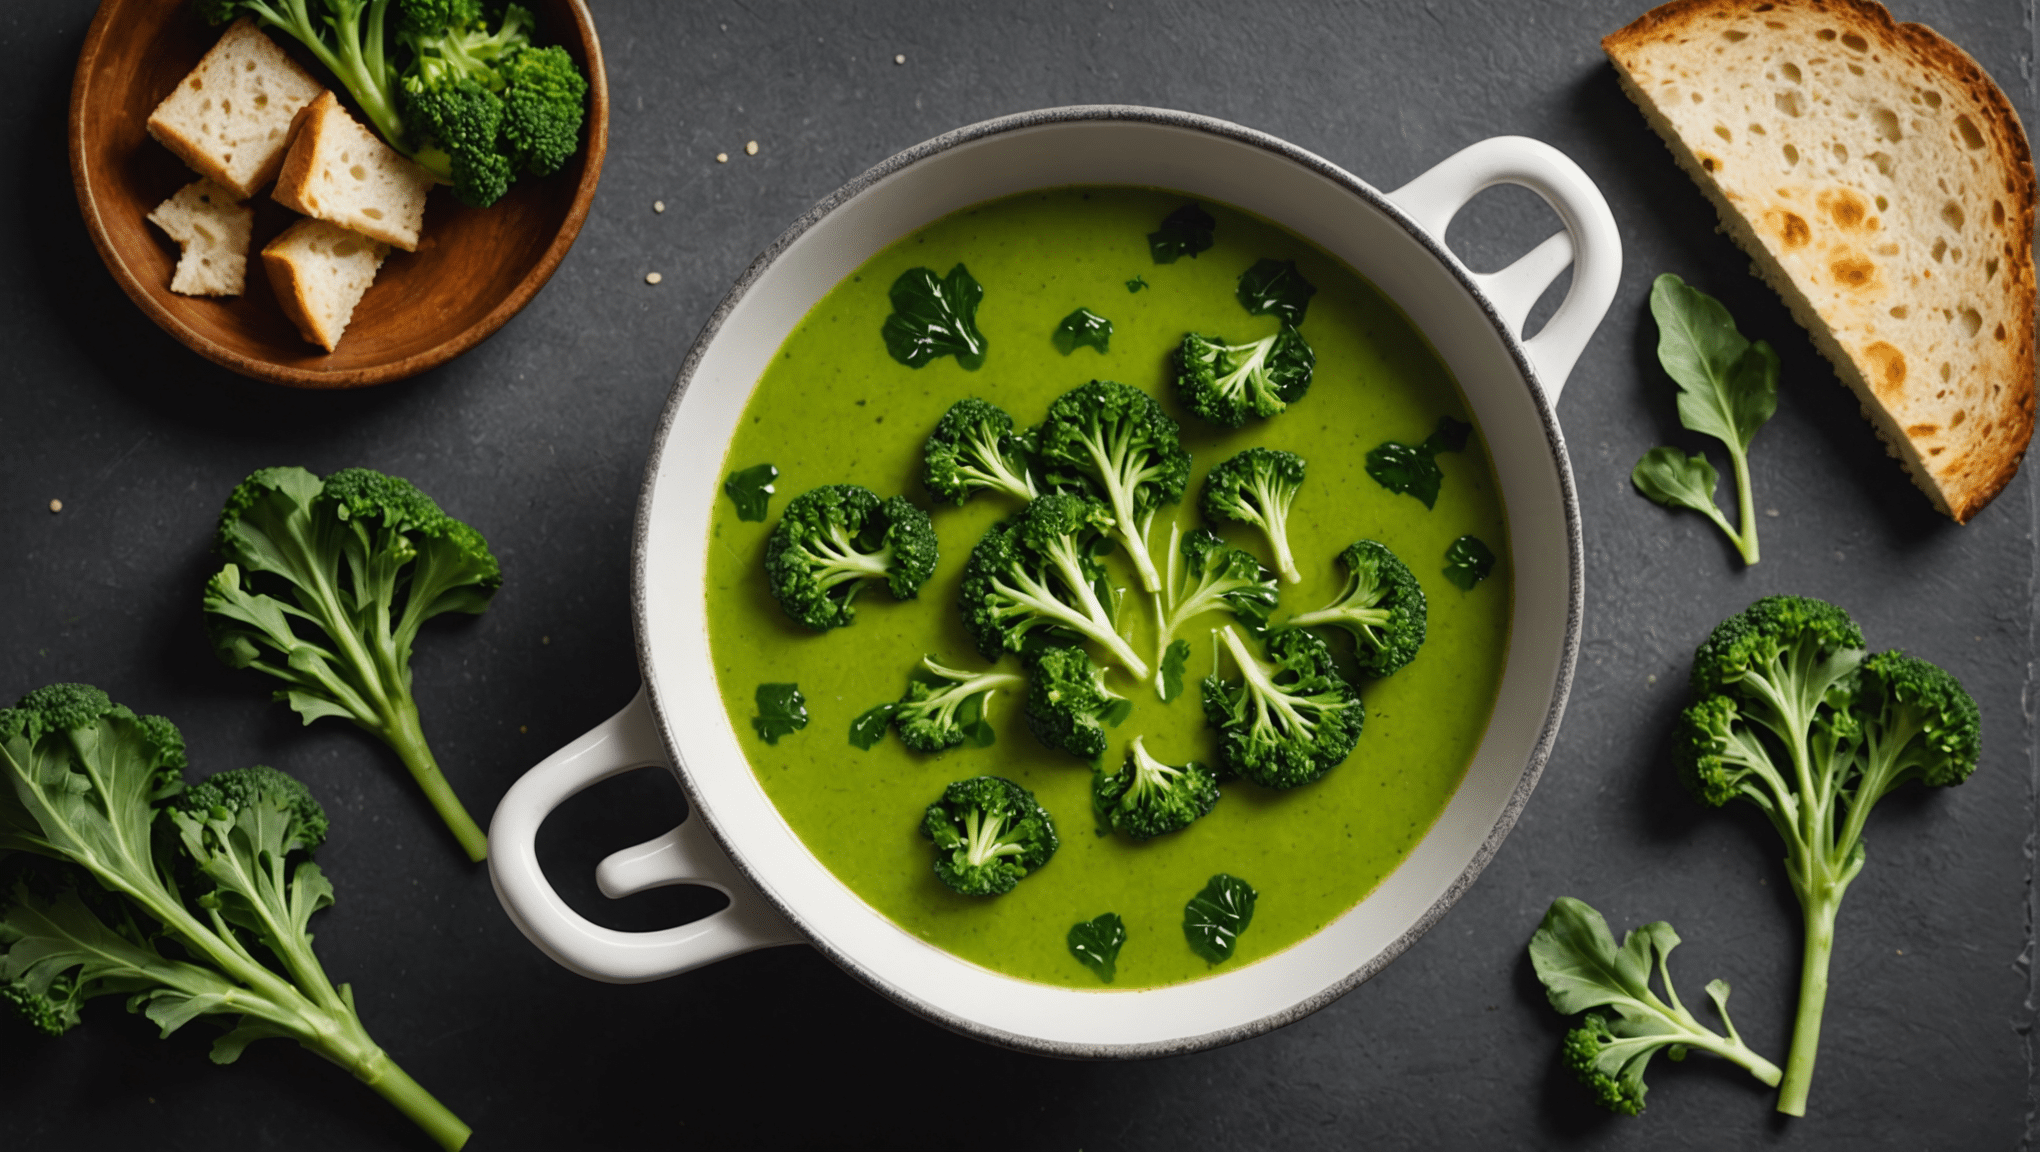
x,y
834,407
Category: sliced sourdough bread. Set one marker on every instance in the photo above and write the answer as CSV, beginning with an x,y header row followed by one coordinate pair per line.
x,y
230,118
342,173
211,229
1882,184
319,272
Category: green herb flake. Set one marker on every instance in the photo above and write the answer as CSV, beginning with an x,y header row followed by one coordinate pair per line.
x,y
1080,329
869,728
1136,284
935,316
1468,562
1173,661
1095,944
1185,232
1275,288
1408,470
751,490
1215,917
782,711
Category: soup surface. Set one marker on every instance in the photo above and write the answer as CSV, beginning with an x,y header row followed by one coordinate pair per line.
x,y
834,407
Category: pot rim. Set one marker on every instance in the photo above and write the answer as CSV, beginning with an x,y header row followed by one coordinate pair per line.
x,y
1575,571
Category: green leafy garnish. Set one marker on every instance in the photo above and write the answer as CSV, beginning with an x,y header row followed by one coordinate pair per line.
x,y
1275,288
869,728
1173,660
1413,469
1215,917
1082,328
933,316
1136,284
1576,958
751,490
782,711
1728,388
1468,562
1095,944
1185,232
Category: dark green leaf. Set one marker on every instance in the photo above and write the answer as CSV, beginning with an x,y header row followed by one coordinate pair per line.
x,y
1185,232
1136,284
935,317
1095,944
751,490
1173,661
868,729
1728,386
1450,436
1116,713
1677,480
1275,288
977,731
1215,917
1083,328
1468,562
782,710
1406,471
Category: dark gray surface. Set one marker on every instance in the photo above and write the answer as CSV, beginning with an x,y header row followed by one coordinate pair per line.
x,y
538,439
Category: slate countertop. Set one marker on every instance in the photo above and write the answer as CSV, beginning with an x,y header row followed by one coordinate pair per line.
x,y
538,437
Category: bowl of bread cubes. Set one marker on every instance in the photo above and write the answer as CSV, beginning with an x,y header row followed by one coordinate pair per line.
x,y
325,206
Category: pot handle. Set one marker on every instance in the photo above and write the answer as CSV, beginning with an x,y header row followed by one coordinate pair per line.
x,y
1589,243
686,855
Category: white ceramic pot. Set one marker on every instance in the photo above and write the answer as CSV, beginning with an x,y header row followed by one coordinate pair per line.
x,y
735,840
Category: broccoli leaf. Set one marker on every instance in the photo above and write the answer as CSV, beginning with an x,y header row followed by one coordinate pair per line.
x,y
1173,662
1083,328
751,490
1185,232
1413,471
1136,284
1215,917
782,711
934,317
869,728
1677,480
1095,943
1468,562
1275,288
977,731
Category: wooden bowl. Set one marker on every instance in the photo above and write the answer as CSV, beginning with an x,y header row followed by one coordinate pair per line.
x,y
474,267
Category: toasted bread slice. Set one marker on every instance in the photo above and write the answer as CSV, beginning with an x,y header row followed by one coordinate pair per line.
x,y
229,120
1882,184
342,173
320,272
211,229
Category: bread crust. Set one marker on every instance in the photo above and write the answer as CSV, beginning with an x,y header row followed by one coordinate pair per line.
x,y
1984,461
323,127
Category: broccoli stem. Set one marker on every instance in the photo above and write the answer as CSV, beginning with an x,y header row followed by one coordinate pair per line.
x,y
396,1086
1813,987
407,737
1745,540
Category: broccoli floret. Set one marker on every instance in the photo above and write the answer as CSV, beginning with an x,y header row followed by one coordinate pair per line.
x,y
325,586
973,449
84,783
1068,705
831,540
1148,798
1257,487
1225,382
989,833
1119,441
1037,579
1791,714
939,710
1576,958
1382,607
474,105
1286,723
1214,576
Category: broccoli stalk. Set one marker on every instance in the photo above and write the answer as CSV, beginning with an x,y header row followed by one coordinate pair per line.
x,y
1148,798
1382,607
358,562
1214,576
973,449
1257,487
1119,441
1040,576
989,833
832,540
1794,716
940,715
1287,723
86,783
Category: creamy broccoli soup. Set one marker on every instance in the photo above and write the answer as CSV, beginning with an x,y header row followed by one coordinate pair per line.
x,y
835,407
